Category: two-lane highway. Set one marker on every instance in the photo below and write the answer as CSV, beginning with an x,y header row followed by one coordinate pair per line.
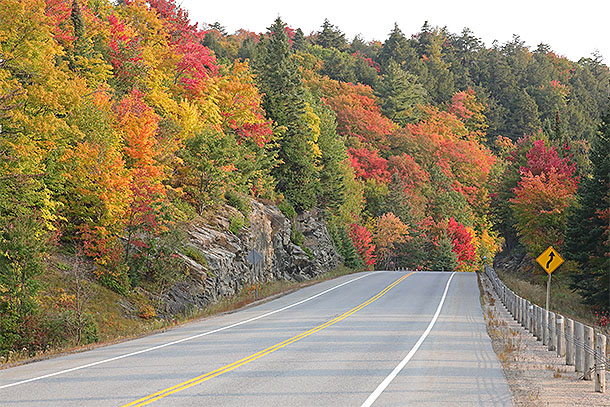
x,y
377,338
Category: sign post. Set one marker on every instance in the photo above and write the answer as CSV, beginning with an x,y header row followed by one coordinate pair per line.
x,y
254,258
549,260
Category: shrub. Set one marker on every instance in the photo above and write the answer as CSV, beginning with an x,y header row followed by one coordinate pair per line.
x,y
195,254
297,237
147,311
287,209
236,223
238,202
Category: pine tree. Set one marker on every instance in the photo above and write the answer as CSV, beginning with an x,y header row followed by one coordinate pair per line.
x,y
588,237
284,102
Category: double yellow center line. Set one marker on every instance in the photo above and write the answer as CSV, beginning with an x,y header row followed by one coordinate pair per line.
x,y
200,379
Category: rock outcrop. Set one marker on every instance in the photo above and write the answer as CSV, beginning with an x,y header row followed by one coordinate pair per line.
x,y
227,269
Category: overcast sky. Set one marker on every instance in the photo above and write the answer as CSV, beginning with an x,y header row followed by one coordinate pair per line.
x,y
572,28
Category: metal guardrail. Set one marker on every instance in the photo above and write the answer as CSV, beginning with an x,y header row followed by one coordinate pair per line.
x,y
581,346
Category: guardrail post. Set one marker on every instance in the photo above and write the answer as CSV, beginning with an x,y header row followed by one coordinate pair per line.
x,y
514,305
521,311
600,365
530,309
545,327
561,339
537,323
579,335
569,342
552,332
589,352
533,319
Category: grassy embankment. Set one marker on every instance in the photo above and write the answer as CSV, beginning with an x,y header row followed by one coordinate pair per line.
x,y
117,317
564,300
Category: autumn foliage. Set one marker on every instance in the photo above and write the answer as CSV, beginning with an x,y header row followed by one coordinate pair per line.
x,y
543,195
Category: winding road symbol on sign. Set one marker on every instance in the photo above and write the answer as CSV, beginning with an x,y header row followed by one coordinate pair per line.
x,y
552,256
549,260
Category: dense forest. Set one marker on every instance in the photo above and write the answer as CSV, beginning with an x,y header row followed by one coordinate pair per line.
x,y
119,123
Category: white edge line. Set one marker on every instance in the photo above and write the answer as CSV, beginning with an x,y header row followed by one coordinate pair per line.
x,y
386,382
99,362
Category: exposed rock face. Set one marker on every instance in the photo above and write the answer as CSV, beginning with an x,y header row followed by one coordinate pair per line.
x,y
227,270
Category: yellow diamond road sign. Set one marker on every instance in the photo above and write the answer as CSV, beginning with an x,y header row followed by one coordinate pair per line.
x,y
550,260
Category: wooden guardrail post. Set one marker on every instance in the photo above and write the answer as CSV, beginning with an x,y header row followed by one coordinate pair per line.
x,y
552,332
600,366
589,353
545,327
579,335
537,323
522,311
561,339
570,342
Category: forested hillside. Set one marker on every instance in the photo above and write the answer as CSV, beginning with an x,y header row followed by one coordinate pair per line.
x,y
121,123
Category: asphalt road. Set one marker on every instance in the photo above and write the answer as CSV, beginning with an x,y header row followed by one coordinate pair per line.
x,y
382,339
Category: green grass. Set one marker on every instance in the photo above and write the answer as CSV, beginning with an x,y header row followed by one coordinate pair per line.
x,y
563,300
117,319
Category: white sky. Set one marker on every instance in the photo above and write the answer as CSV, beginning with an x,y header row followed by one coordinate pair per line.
x,y
572,28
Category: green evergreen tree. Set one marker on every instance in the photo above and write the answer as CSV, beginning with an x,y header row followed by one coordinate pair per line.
x,y
396,48
299,43
444,256
344,245
210,40
339,66
247,50
358,45
332,183
81,47
331,37
525,118
587,240
284,101
219,27
400,94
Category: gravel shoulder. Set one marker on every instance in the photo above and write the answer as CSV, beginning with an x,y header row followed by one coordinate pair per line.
x,y
536,376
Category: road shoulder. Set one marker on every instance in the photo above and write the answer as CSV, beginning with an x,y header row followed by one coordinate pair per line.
x,y
536,376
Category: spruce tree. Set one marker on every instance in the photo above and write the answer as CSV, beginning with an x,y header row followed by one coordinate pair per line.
x,y
396,48
445,258
332,183
299,43
331,37
284,102
588,240
400,94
